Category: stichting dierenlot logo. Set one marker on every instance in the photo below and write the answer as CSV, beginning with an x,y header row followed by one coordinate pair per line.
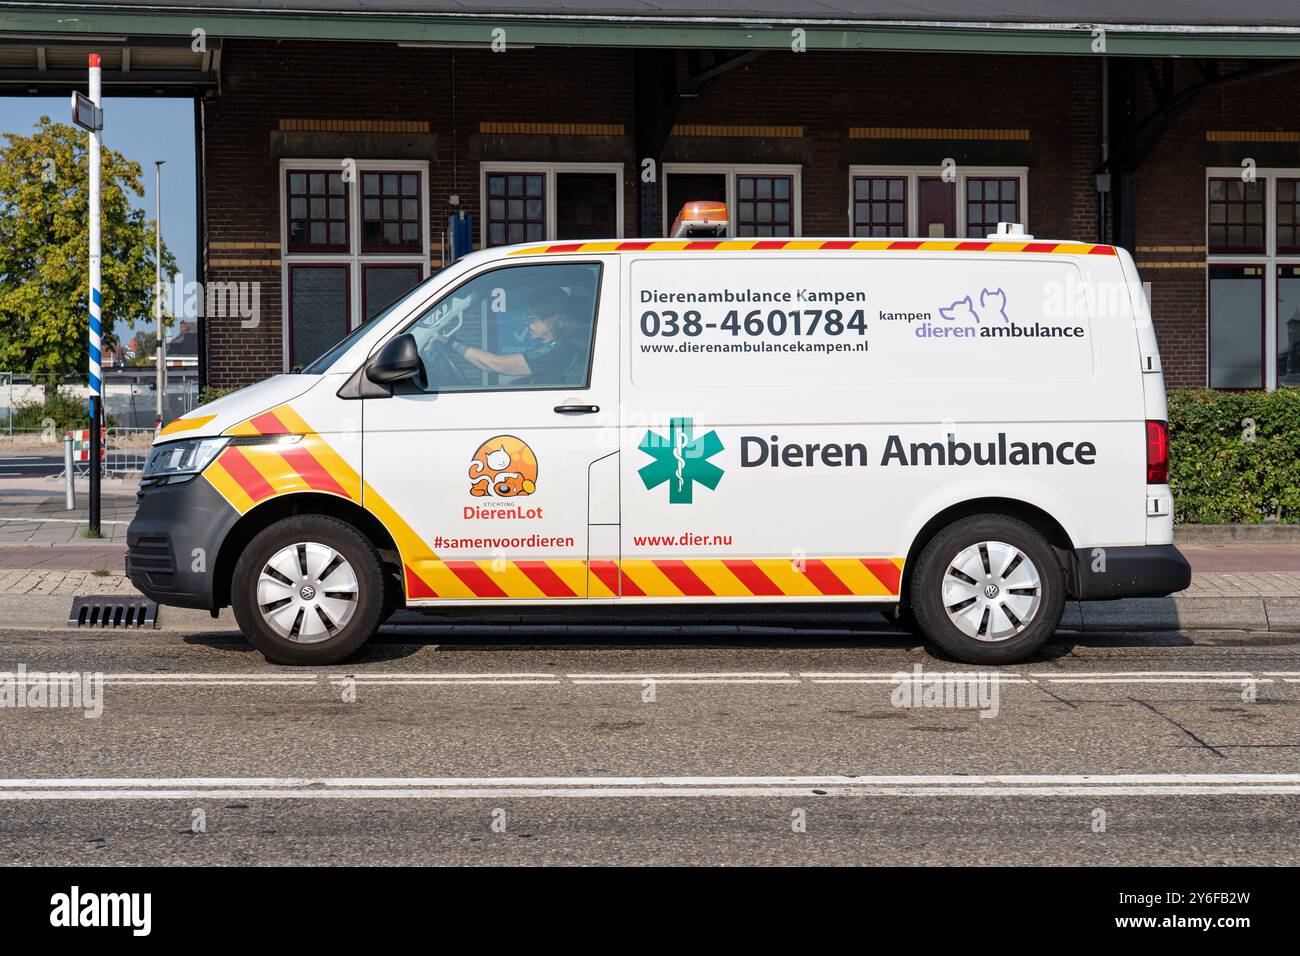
x,y
681,459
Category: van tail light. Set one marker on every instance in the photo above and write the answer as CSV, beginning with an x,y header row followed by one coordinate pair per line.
x,y
1157,453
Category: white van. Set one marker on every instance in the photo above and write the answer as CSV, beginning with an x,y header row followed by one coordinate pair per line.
x,y
972,431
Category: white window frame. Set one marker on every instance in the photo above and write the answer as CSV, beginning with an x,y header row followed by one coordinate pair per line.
x,y
354,258
914,173
548,170
731,171
1268,259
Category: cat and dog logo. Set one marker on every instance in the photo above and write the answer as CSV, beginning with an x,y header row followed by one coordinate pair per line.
x,y
503,467
992,305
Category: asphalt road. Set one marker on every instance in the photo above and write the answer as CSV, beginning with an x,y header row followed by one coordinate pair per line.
x,y
30,466
680,750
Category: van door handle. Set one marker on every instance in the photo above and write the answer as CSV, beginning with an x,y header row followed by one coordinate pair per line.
x,y
577,409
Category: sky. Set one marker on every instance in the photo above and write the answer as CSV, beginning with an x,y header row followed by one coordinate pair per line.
x,y
143,129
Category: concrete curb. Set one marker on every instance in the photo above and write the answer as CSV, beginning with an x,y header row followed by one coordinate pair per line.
x,y
1237,534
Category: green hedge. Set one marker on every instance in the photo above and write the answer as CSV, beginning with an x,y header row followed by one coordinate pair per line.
x,y
1235,456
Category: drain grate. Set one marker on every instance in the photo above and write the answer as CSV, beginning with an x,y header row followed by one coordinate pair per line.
x,y
109,610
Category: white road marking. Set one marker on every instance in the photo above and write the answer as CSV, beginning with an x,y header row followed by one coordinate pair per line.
x,y
696,680
1000,785
425,675
1160,680
434,683
487,678
674,674
925,679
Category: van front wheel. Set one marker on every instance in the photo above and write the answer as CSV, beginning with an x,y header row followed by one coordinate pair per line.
x,y
988,589
308,590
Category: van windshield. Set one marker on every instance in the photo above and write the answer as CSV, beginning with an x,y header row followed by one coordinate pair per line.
x,y
323,364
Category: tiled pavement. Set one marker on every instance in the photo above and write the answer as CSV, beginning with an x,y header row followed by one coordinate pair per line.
x,y
62,582
38,517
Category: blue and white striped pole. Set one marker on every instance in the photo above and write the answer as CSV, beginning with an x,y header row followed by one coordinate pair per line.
x,y
96,304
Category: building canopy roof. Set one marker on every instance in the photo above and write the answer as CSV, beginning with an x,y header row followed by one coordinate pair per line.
x,y
1264,28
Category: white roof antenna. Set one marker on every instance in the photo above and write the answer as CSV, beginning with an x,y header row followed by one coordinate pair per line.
x,y
1009,230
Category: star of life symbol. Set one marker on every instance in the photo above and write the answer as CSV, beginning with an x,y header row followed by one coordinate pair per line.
x,y
681,459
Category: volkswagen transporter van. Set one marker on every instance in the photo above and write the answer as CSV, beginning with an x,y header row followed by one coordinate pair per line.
x,y
970,431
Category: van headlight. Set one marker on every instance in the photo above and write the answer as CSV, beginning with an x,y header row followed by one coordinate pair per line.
x,y
184,458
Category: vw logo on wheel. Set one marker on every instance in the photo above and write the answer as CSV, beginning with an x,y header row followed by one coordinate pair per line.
x,y
990,591
308,592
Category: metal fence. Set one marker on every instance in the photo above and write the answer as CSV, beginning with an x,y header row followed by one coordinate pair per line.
x,y
126,449
130,397
124,452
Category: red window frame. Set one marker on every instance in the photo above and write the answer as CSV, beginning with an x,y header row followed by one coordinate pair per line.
x,y
348,324
365,289
748,228
981,226
1293,227
1228,203
307,196
875,227
523,197
402,220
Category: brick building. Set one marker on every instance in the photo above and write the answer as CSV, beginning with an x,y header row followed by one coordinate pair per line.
x,y
336,139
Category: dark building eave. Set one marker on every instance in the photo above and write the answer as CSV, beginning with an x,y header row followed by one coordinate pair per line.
x,y
1256,28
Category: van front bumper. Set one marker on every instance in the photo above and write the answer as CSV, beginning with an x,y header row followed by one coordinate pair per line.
x,y
173,542
1152,570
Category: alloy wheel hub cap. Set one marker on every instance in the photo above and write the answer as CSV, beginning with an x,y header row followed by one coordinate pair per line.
x,y
307,592
991,591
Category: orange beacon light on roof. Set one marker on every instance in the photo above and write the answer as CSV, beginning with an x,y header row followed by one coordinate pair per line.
x,y
700,217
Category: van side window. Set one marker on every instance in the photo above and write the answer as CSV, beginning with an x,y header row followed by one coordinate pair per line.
x,y
518,327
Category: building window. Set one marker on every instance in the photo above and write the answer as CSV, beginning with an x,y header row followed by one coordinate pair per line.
x,y
893,201
879,206
1236,327
762,201
318,211
516,207
1288,325
586,206
382,284
989,201
1236,215
390,212
764,205
1288,216
318,310
1252,240
536,202
349,249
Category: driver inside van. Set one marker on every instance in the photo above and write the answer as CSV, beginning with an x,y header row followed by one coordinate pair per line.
x,y
556,356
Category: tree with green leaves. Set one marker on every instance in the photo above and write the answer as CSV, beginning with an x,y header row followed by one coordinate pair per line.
x,y
44,250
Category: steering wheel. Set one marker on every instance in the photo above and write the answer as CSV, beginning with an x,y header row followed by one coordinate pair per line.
x,y
440,367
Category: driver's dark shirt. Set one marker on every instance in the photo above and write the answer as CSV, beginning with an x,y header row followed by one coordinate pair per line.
x,y
553,363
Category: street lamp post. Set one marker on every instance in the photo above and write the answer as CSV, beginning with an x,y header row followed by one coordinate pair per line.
x,y
157,288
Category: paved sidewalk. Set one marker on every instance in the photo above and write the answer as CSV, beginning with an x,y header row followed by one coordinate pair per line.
x,y
37,516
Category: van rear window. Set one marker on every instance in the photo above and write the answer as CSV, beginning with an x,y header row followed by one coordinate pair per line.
x,y
837,321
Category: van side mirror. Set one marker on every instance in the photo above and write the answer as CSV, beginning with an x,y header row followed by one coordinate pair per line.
x,y
399,359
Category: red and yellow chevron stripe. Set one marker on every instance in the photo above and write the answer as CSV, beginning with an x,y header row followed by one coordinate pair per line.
x,y
654,578
741,577
819,245
246,475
